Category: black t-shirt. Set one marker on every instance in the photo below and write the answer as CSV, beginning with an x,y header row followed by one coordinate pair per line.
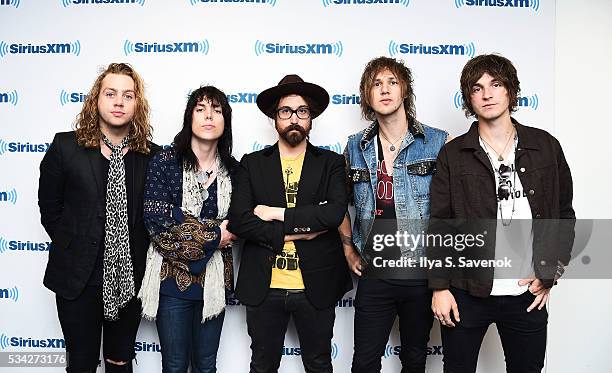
x,y
385,221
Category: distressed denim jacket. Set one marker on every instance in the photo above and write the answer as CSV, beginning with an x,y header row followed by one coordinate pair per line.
x,y
412,172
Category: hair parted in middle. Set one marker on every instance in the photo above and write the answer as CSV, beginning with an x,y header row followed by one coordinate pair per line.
x,y
182,140
403,75
87,126
500,68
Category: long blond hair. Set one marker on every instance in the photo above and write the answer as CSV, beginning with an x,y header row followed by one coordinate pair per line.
x,y
87,126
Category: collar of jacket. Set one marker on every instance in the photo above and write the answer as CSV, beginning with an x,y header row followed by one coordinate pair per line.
x,y
274,149
525,141
415,128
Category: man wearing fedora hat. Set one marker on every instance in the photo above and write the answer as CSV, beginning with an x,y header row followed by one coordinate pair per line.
x,y
287,203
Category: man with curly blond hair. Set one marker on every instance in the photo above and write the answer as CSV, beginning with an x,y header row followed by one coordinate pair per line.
x,y
91,204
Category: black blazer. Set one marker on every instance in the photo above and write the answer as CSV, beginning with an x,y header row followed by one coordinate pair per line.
x,y
321,205
73,212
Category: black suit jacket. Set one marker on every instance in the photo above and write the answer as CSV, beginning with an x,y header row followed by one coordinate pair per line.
x,y
73,212
321,205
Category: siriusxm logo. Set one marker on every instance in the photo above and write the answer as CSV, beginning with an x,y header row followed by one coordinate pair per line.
x,y
533,4
269,2
67,3
467,49
333,147
396,350
10,294
16,245
346,302
307,48
14,3
341,99
242,98
142,346
11,97
49,48
17,147
327,3
532,101
9,196
71,97
202,47
297,351
7,341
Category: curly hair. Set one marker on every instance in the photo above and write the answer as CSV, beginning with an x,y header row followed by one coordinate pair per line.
x,y
403,75
87,126
500,68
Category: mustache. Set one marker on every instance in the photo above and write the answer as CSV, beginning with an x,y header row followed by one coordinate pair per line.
x,y
295,127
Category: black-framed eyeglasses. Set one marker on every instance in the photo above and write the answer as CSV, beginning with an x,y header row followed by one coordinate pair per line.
x,y
285,112
503,191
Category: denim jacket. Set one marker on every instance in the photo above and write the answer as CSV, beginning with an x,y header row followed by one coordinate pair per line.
x,y
412,172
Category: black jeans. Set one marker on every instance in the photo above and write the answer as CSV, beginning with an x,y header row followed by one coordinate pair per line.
x,y
267,324
377,303
522,333
82,321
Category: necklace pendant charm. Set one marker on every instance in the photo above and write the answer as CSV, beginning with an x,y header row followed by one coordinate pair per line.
x,y
500,158
203,177
392,148
204,193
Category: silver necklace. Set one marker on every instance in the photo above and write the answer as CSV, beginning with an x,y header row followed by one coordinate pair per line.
x,y
513,190
203,176
500,156
392,144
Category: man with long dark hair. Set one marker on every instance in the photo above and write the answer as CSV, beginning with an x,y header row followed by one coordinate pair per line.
x,y
389,167
189,264
497,175
90,196
287,204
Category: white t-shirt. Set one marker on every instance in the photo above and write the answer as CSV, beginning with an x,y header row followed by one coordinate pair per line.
x,y
514,235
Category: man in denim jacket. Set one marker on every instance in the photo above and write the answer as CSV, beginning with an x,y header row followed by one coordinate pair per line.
x,y
389,165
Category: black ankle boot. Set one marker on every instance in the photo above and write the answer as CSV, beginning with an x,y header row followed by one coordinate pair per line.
x,y
114,368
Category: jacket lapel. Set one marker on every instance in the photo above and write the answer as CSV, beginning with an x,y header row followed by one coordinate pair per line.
x,y
92,155
270,170
310,177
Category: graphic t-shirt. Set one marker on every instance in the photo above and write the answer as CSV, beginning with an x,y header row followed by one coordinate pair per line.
x,y
385,202
286,272
514,236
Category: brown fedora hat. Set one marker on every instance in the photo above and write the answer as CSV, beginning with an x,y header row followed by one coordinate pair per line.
x,y
293,84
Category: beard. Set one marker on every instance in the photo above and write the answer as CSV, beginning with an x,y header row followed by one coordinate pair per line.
x,y
294,134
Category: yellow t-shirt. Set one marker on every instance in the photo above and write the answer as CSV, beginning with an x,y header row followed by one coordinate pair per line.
x,y
286,272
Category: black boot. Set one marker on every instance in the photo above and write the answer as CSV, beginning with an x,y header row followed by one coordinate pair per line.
x,y
115,368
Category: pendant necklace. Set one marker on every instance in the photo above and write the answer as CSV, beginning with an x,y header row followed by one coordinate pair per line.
x,y
203,176
392,144
500,156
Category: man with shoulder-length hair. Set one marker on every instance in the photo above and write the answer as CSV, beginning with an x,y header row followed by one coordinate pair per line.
x,y
90,196
496,175
389,167
287,203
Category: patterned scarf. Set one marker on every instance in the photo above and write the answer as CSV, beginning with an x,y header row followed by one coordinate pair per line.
x,y
118,282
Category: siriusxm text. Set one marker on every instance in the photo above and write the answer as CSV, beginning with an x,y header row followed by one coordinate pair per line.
x,y
499,3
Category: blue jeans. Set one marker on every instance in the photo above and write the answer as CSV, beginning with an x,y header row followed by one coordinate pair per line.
x,y
184,338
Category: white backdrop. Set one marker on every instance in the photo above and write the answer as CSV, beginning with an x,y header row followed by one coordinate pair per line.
x,y
238,46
